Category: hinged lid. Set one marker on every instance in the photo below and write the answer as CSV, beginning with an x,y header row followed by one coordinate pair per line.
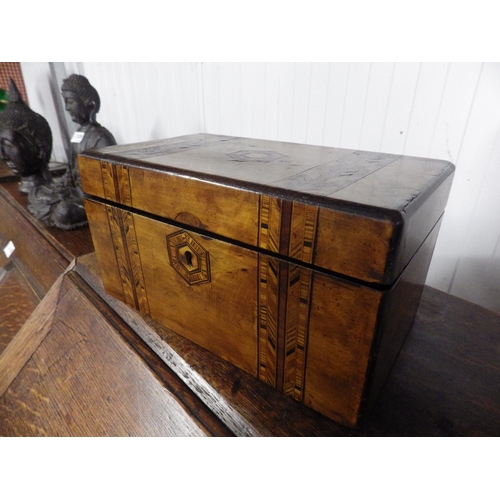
x,y
356,213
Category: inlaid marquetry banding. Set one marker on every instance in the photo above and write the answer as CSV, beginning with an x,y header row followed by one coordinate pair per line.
x,y
270,223
303,232
285,228
268,318
284,304
116,183
296,330
288,228
123,235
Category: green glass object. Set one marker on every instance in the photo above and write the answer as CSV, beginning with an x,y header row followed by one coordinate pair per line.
x,y
4,99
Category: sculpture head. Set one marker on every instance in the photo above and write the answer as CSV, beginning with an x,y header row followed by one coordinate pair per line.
x,y
81,99
25,139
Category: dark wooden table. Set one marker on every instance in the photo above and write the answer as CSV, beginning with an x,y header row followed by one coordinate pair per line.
x,y
86,364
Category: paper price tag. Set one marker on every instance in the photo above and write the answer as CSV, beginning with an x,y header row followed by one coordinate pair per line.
x,y
9,249
77,137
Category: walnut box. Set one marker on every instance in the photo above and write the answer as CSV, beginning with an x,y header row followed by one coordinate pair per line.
x,y
302,265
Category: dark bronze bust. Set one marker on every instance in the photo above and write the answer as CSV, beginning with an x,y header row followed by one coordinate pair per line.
x,y
25,142
82,102
26,146
61,203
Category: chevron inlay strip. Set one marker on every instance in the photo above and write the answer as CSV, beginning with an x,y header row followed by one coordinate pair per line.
x,y
121,225
303,232
268,318
284,316
270,223
297,324
116,183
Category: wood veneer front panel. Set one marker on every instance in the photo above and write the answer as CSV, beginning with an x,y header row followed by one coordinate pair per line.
x,y
341,332
352,245
143,264
229,212
247,406
219,313
303,332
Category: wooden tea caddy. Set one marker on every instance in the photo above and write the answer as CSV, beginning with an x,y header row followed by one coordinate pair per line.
x,y
302,265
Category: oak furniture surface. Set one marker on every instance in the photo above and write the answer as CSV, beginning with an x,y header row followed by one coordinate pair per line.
x,y
86,364
302,265
41,254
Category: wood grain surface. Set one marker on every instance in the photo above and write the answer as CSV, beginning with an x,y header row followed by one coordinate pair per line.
x,y
446,381
366,199
28,339
86,379
247,406
17,303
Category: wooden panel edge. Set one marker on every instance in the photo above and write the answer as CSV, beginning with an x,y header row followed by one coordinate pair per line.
x,y
398,309
90,175
370,243
29,338
104,247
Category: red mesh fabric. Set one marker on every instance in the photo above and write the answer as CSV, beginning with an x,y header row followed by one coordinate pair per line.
x,y
12,70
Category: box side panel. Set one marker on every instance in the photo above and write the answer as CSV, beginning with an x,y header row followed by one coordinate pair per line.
x,y
204,289
341,331
399,308
419,221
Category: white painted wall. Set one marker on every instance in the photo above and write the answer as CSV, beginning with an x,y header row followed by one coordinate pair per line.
x,y
442,110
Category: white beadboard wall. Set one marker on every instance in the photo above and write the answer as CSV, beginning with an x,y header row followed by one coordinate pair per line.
x,y
449,111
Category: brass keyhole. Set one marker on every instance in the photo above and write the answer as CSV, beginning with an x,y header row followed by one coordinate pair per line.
x,y
189,258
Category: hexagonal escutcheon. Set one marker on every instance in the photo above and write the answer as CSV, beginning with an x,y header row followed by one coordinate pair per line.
x,y
188,258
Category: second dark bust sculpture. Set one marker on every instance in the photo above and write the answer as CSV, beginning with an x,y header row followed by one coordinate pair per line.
x,y
25,142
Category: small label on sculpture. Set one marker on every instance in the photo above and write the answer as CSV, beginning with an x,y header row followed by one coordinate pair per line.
x,y
9,249
77,137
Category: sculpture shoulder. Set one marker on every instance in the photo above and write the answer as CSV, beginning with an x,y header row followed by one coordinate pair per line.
x,y
97,136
